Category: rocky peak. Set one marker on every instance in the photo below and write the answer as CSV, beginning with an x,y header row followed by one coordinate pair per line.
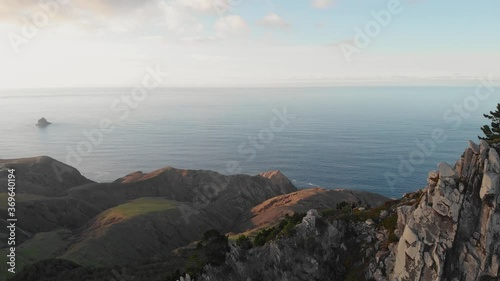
x,y
281,180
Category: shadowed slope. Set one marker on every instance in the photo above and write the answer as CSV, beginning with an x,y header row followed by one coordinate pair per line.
x,y
42,175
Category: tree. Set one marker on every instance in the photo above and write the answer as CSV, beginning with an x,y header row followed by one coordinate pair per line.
x,y
215,246
492,134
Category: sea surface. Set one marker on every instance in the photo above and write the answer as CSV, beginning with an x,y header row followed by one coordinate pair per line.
x,y
342,137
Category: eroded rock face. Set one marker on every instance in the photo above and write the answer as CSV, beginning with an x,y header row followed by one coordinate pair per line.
x,y
320,250
454,232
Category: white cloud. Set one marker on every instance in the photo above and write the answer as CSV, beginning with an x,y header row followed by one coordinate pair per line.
x,y
74,8
115,16
322,4
230,26
179,20
218,7
273,20
197,5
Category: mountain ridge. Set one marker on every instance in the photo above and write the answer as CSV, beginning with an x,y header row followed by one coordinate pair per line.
x,y
143,215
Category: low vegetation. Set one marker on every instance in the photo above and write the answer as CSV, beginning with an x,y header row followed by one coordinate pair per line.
x,y
348,211
492,132
285,228
21,197
141,206
210,250
244,242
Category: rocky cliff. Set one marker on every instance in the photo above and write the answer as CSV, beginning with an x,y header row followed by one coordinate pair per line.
x,y
449,230
319,250
334,244
454,231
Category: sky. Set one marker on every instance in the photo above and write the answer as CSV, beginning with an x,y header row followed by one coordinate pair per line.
x,y
90,43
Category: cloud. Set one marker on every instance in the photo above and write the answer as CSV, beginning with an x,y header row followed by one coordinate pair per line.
x,y
80,14
275,21
109,7
172,19
197,5
232,25
322,4
179,20
104,17
219,7
26,8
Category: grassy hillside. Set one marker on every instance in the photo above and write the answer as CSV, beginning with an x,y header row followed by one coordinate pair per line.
x,y
119,231
139,207
21,197
42,246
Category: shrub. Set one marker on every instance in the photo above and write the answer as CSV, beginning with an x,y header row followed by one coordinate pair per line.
x,y
244,242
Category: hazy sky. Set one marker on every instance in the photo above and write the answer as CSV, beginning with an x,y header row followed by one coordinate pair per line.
x,y
69,43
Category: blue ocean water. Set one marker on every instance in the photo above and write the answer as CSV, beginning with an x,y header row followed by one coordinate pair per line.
x,y
341,137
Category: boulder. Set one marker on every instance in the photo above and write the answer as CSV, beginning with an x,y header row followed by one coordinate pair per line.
x,y
384,214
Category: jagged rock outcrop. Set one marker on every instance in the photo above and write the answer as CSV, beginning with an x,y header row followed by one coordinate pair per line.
x,y
454,232
320,249
316,251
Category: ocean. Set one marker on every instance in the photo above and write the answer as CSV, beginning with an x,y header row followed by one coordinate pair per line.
x,y
378,139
